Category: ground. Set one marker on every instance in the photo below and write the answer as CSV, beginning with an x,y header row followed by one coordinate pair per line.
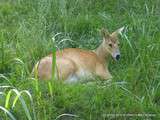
x,y
26,31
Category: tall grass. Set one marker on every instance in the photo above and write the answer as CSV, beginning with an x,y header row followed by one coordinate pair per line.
x,y
26,31
23,103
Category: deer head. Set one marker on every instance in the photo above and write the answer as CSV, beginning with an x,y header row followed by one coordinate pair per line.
x,y
111,43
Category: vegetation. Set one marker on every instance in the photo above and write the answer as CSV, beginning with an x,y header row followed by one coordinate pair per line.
x,y
26,31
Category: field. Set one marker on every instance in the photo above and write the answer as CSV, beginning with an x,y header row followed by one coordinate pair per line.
x,y
26,31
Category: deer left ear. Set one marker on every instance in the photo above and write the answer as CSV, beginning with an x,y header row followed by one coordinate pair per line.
x,y
104,32
117,32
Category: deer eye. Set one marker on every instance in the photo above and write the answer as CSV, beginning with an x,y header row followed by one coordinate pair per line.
x,y
110,44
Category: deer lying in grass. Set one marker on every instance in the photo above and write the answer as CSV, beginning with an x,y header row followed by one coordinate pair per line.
x,y
74,63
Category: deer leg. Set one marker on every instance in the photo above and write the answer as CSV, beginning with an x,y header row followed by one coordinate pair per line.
x,y
103,73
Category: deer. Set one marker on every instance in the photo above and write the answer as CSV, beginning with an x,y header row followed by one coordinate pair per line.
x,y
75,63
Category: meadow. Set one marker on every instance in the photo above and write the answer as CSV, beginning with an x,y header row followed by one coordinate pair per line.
x,y
26,31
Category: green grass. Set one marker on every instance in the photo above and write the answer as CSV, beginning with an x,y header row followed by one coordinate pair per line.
x,y
26,31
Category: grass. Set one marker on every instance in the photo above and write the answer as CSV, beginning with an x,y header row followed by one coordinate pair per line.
x,y
26,31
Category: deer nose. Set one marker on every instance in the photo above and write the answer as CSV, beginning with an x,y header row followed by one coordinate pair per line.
x,y
118,57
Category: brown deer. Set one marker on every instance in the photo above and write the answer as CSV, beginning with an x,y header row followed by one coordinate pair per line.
x,y
74,63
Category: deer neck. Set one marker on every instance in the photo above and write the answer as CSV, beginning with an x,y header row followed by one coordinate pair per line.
x,y
102,54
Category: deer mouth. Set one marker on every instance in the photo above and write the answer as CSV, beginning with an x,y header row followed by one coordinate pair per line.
x,y
118,57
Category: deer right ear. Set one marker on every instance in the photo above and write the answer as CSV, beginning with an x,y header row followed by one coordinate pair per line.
x,y
104,32
119,31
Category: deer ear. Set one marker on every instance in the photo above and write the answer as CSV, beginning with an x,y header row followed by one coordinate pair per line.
x,y
117,32
104,32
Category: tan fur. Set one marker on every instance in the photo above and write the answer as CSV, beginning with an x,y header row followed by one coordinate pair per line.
x,y
76,63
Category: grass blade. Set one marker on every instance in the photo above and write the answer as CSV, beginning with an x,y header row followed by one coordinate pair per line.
x,y
21,100
8,113
31,99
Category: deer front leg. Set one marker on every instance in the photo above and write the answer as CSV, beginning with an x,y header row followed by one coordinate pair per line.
x,y
103,73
